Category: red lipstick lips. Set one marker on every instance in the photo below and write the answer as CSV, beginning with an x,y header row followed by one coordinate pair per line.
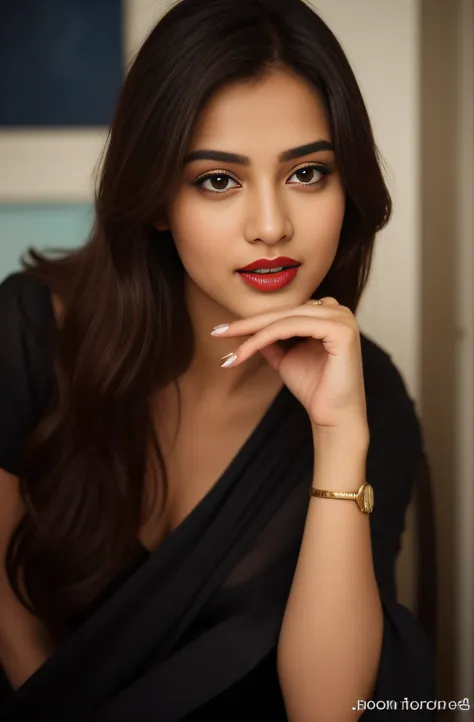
x,y
269,274
270,263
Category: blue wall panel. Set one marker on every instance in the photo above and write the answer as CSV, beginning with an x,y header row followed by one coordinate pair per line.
x,y
42,226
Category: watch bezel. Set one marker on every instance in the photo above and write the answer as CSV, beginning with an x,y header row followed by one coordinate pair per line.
x,y
365,498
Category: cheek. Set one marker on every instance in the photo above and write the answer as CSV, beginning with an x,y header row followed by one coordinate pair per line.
x,y
321,222
201,231
198,234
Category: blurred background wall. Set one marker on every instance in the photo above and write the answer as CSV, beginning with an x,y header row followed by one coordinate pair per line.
x,y
414,62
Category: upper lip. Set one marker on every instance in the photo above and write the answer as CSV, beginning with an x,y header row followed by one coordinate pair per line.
x,y
270,263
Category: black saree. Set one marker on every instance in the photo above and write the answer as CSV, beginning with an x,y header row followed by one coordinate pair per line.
x,y
191,632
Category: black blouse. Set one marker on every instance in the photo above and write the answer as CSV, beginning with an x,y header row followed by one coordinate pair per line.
x,y
190,632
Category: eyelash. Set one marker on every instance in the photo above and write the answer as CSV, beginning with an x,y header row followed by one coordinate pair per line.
x,y
202,179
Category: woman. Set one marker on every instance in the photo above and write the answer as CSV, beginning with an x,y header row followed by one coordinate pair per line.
x,y
165,559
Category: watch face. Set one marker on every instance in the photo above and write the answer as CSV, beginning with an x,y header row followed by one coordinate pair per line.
x,y
368,498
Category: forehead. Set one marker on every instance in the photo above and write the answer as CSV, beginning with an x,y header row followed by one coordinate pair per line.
x,y
281,109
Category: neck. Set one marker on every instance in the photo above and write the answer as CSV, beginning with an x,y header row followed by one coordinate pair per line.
x,y
205,374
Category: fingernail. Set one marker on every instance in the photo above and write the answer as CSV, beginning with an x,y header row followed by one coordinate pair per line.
x,y
220,329
227,355
229,361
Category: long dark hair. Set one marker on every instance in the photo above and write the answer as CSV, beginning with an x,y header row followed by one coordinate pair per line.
x,y
83,470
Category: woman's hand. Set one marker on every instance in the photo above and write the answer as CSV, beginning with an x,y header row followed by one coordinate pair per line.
x,y
324,371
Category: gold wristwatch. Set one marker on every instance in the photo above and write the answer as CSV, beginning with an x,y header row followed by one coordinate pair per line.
x,y
364,498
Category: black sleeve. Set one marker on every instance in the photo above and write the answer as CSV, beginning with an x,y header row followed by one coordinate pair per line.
x,y
26,316
406,675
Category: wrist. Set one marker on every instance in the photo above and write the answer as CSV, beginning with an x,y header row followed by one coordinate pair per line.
x,y
353,439
340,461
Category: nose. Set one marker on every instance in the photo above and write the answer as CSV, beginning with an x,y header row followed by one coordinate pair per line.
x,y
267,218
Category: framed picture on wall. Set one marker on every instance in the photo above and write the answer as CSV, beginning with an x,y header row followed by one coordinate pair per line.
x,y
61,62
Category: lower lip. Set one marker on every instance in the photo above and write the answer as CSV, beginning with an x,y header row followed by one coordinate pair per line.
x,y
269,281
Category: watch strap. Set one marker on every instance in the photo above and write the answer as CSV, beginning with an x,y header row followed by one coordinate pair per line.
x,y
365,503
333,494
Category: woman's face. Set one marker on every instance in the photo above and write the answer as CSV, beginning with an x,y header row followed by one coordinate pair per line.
x,y
227,214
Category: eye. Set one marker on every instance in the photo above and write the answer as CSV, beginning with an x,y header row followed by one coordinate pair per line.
x,y
310,175
218,182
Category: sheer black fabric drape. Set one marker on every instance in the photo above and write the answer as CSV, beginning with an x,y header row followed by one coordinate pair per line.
x,y
191,632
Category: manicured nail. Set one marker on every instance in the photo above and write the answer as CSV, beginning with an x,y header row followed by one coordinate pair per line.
x,y
229,361
220,329
227,355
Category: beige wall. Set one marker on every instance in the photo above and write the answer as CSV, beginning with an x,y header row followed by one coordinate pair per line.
x,y
447,310
42,166
464,412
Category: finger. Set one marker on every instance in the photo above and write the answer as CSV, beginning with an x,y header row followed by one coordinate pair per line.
x,y
331,334
247,326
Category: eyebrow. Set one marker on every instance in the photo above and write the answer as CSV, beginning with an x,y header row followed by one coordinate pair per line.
x,y
225,157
